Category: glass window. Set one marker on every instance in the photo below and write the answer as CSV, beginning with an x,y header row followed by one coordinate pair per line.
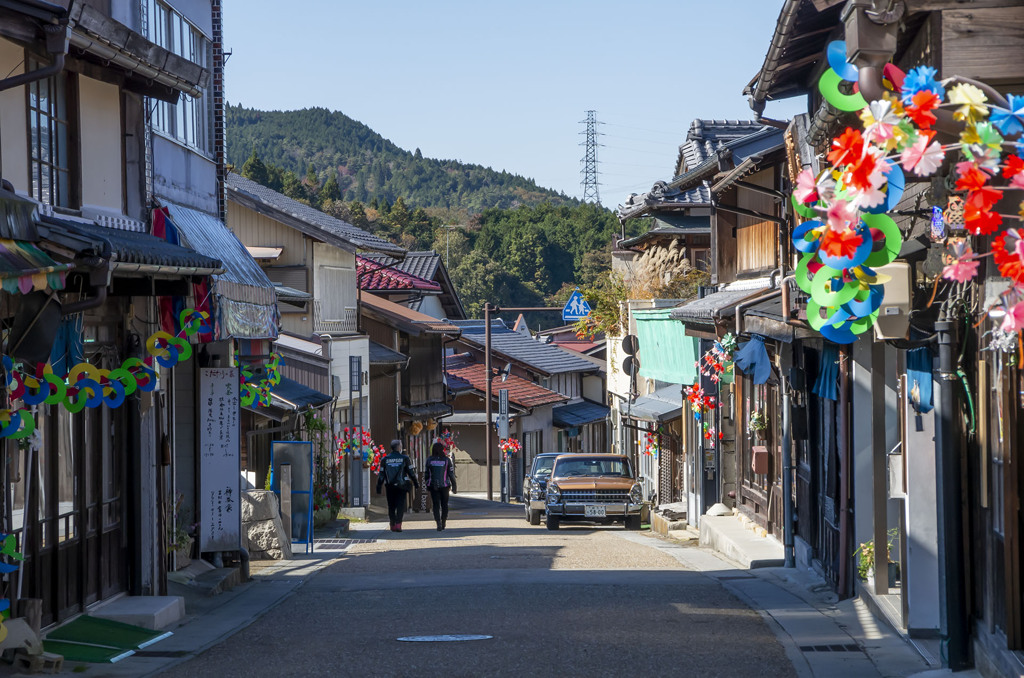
x,y
188,121
48,123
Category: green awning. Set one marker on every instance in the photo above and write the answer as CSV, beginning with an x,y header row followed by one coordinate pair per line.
x,y
666,353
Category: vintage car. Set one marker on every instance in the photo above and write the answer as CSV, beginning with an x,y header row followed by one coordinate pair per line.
x,y
599,488
535,486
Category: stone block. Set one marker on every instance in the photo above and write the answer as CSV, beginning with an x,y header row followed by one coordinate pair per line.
x,y
259,505
267,537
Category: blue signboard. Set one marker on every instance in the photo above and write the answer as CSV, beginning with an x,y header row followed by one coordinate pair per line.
x,y
576,308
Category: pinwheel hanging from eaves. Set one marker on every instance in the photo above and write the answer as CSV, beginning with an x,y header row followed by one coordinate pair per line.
x,y
849,235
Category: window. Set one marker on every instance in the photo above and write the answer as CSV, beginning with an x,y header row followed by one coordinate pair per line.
x,y
51,152
188,121
337,286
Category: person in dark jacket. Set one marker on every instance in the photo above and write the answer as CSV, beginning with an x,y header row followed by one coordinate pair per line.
x,y
440,479
395,475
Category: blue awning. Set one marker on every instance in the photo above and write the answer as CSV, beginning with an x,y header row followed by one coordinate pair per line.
x,y
291,395
578,414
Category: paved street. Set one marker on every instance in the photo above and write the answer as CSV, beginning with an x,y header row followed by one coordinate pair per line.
x,y
579,601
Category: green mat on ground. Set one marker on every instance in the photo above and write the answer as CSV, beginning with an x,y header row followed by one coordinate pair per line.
x,y
81,652
91,639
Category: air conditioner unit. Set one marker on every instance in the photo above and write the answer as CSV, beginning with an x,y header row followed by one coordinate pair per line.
x,y
893,320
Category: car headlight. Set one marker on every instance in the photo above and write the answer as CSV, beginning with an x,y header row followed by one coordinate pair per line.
x,y
537,492
636,494
554,494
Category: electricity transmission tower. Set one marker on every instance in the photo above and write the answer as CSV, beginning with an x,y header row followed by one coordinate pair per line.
x,y
589,171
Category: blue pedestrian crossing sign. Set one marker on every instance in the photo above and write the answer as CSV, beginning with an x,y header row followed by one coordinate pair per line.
x,y
576,308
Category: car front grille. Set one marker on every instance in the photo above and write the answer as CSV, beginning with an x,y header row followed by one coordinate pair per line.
x,y
595,496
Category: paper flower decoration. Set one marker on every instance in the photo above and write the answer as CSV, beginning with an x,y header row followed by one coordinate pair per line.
x,y
963,265
1009,120
1014,320
921,158
921,79
1008,252
972,102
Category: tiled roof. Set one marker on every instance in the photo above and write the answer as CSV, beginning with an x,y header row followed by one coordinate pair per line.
x,y
405,319
382,355
729,139
420,264
521,392
707,137
375,277
544,358
131,247
723,302
332,229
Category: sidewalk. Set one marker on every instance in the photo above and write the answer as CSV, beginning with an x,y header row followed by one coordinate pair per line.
x,y
211,619
822,636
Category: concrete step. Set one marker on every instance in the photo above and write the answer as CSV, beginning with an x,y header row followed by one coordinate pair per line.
x,y
150,612
750,548
218,580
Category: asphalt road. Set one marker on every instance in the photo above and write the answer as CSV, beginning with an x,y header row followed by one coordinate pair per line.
x,y
581,601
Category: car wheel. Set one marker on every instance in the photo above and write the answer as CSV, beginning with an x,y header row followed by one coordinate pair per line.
x,y
534,516
552,523
632,522
529,513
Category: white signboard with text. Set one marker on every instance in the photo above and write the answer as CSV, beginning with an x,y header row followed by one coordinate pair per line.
x,y
220,524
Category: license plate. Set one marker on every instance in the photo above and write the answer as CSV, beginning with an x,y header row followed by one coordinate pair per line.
x,y
593,511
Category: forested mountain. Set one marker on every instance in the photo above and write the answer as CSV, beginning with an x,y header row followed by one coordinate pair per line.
x,y
366,166
505,240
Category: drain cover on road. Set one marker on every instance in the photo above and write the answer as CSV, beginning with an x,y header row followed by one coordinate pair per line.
x,y
442,639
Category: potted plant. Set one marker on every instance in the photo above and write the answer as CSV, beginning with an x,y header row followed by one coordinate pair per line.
x,y
180,534
757,424
866,558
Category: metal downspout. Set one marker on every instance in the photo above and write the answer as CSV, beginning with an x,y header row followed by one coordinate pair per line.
x,y
787,473
950,480
844,584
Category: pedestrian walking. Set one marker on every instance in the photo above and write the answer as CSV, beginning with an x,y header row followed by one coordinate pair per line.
x,y
440,479
396,475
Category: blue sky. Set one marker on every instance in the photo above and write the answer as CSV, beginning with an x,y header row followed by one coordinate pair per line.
x,y
507,85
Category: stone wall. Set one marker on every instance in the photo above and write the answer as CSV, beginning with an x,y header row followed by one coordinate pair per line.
x,y
262,530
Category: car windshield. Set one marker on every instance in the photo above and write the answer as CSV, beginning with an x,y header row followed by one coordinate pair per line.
x,y
543,466
593,466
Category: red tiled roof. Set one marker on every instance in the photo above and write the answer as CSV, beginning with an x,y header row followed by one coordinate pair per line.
x,y
376,278
521,392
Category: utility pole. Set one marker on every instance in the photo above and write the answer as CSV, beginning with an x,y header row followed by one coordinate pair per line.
x,y
589,171
488,446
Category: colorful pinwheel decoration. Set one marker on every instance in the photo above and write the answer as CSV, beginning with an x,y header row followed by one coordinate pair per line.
x,y
848,236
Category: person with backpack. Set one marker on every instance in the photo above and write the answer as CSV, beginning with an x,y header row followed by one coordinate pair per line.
x,y
440,479
396,475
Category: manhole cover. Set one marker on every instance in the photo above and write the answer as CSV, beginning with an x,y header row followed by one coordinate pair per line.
x,y
442,639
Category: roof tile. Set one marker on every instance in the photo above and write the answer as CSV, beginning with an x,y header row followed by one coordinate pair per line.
x,y
521,392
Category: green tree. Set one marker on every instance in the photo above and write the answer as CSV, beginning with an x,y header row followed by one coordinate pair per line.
x,y
255,170
331,190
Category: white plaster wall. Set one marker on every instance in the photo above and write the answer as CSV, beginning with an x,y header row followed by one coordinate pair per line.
x,y
593,389
102,162
432,306
13,120
341,349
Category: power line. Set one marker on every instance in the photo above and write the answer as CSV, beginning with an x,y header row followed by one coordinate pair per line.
x,y
589,171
